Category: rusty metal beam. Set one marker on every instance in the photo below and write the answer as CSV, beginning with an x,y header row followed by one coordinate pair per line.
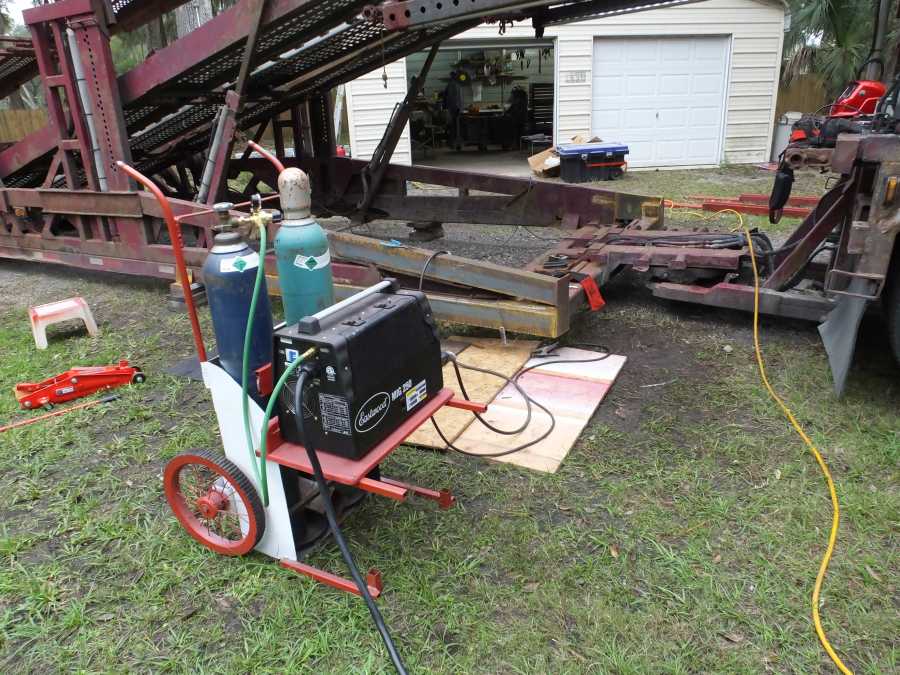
x,y
232,26
35,146
789,304
538,201
828,214
511,315
373,173
451,269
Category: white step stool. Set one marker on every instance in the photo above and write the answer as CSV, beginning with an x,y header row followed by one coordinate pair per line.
x,y
55,312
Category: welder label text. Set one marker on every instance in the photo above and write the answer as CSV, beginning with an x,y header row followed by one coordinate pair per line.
x,y
416,395
240,263
372,412
335,414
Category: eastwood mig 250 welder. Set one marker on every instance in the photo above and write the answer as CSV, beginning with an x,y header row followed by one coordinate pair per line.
x,y
378,360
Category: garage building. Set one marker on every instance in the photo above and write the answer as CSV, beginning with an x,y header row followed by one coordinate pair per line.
x,y
683,86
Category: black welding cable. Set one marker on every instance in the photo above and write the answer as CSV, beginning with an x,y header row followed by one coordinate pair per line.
x,y
336,530
529,400
462,388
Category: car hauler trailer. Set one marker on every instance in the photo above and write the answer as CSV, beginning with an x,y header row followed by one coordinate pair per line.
x,y
185,113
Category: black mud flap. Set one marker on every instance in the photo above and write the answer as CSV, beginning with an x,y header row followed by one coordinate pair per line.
x,y
839,332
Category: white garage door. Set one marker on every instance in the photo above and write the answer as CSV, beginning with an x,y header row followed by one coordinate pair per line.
x,y
663,97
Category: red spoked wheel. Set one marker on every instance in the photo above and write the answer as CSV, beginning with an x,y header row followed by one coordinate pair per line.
x,y
215,502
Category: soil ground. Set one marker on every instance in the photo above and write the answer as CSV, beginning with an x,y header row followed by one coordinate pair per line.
x,y
681,535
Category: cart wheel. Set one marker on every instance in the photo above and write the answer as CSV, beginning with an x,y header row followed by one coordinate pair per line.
x,y
138,378
215,502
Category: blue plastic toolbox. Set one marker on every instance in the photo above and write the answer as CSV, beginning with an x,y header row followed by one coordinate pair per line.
x,y
584,162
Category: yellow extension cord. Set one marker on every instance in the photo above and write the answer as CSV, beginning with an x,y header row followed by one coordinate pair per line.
x,y
836,511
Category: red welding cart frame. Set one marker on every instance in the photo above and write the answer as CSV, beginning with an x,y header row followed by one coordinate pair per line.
x,y
354,473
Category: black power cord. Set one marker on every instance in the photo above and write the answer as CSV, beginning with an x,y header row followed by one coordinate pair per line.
x,y
427,263
335,528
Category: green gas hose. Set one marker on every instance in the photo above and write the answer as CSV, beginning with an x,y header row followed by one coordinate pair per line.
x,y
245,373
259,466
263,434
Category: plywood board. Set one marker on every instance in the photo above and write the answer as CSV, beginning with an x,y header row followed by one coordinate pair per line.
x,y
483,353
571,391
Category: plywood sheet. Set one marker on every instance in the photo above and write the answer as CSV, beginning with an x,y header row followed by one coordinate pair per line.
x,y
572,392
483,353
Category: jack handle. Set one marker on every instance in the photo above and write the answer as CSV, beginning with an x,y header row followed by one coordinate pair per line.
x,y
177,250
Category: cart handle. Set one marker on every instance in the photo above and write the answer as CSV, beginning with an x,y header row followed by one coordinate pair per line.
x,y
177,250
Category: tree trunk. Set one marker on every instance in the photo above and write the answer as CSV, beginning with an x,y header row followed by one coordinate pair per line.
x,y
16,101
156,35
192,15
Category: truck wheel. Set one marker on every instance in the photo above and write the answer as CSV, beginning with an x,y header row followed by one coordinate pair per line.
x,y
892,303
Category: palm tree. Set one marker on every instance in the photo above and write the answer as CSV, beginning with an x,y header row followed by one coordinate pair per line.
x,y
6,20
830,38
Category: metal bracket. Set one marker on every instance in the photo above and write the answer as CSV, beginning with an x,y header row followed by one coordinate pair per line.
x,y
877,279
373,173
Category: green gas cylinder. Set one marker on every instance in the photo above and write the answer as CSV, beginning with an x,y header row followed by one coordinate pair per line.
x,y
301,251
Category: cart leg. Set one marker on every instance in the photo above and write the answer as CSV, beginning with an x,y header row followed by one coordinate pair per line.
x,y
373,578
444,498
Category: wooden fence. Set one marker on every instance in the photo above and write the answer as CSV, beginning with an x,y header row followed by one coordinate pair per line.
x,y
17,124
804,94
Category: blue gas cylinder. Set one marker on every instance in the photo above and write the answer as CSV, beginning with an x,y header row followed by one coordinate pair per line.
x,y
229,274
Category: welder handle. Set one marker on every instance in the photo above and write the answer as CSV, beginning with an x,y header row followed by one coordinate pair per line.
x,y
310,324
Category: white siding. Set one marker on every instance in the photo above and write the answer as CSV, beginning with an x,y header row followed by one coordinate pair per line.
x,y
754,26
369,108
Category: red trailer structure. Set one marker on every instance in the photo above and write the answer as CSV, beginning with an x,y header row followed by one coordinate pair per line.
x,y
184,114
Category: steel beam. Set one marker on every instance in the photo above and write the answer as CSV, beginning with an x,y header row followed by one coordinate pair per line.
x,y
535,201
93,43
211,40
789,304
451,269
828,214
373,173
234,103
510,315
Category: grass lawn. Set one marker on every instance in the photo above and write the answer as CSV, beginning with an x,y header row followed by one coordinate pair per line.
x,y
682,534
728,181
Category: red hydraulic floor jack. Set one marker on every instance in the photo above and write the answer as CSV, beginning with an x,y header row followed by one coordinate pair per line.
x,y
76,383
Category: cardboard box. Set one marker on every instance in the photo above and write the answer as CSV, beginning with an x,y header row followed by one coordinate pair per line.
x,y
546,162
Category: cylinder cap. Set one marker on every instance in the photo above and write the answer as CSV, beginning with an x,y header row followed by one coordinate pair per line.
x,y
227,242
293,186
